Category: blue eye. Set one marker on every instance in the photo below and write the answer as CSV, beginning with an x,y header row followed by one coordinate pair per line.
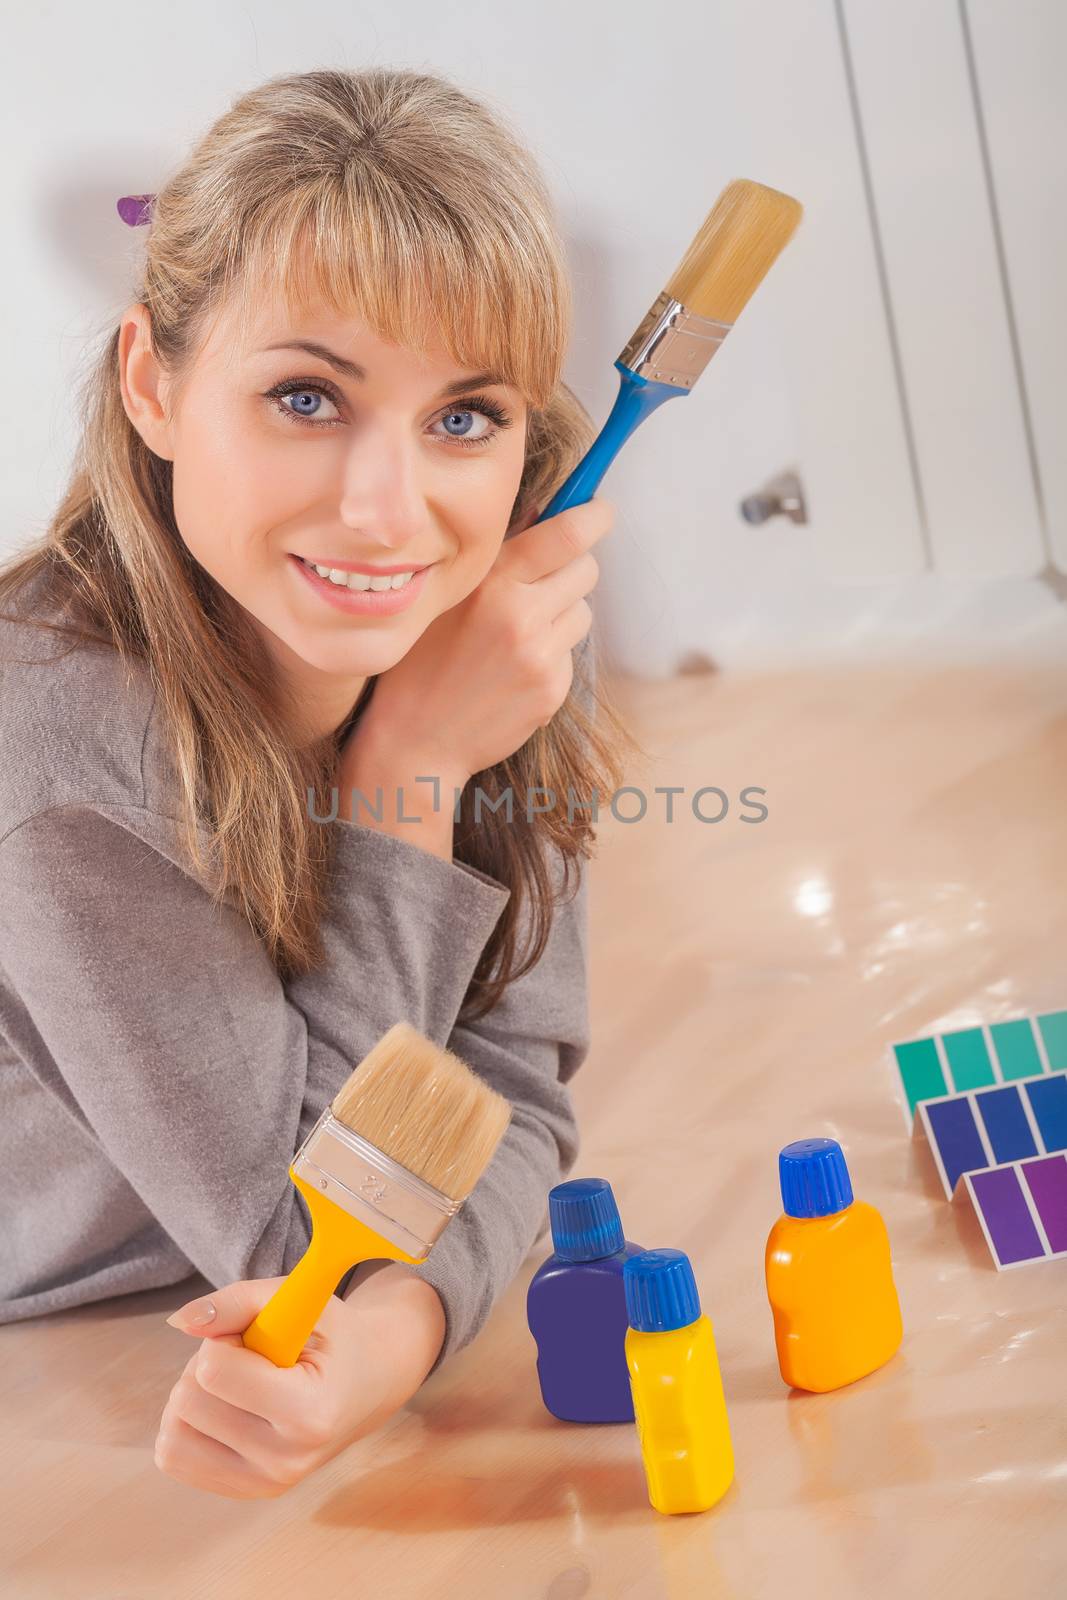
x,y
455,414
304,394
303,389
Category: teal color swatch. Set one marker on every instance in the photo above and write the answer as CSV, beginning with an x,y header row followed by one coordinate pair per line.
x,y
968,1059
1016,1049
1053,1027
920,1071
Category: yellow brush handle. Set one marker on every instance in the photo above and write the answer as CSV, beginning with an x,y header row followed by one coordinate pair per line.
x,y
338,1241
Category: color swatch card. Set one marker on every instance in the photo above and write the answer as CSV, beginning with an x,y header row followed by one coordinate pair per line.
x,y
991,1127
980,1057
1022,1207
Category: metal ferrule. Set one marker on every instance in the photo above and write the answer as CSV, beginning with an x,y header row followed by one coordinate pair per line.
x,y
673,345
363,1181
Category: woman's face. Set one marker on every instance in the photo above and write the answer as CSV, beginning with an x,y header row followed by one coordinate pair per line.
x,y
281,455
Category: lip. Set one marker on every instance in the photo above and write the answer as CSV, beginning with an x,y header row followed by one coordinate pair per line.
x,y
366,602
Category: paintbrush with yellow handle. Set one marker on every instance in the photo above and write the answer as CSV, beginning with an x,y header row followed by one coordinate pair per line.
x,y
739,241
383,1171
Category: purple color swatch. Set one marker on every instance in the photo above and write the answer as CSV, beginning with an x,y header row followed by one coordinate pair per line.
x,y
953,1133
1006,1124
1047,1181
1006,1216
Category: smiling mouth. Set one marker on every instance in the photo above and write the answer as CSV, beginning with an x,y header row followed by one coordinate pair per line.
x,y
358,596
361,582
370,572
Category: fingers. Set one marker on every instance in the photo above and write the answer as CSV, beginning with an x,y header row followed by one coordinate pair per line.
x,y
571,627
194,1447
208,1443
250,1434
226,1369
558,592
187,1456
548,546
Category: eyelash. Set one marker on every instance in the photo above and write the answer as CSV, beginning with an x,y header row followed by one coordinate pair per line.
x,y
482,404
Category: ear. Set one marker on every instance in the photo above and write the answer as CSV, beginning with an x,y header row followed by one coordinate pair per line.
x,y
142,382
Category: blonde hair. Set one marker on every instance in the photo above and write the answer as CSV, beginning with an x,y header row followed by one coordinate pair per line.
x,y
401,201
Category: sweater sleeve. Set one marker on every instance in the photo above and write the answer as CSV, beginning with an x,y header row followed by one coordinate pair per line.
x,y
159,1022
528,1046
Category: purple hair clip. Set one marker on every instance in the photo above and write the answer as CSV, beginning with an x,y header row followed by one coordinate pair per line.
x,y
136,209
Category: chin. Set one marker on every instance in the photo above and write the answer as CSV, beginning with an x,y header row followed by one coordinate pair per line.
x,y
358,662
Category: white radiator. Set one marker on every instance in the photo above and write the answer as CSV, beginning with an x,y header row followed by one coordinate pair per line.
x,y
922,310
903,359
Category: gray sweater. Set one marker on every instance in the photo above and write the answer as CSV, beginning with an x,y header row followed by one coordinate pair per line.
x,y
156,1075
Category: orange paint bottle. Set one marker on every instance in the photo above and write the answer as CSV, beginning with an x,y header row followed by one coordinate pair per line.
x,y
829,1274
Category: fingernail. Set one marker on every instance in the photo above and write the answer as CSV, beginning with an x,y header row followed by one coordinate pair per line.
x,y
193,1315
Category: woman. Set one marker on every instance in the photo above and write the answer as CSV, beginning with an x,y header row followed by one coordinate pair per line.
x,y
345,354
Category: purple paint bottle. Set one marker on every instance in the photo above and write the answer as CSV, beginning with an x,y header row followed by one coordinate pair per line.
x,y
576,1306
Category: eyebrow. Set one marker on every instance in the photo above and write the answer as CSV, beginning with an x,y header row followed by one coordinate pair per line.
x,y
352,369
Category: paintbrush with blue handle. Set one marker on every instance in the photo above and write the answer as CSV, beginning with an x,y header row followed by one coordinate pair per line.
x,y
738,243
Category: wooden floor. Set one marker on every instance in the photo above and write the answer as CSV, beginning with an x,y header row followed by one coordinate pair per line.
x,y
747,981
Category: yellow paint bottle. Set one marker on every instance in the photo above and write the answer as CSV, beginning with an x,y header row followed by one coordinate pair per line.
x,y
829,1274
679,1406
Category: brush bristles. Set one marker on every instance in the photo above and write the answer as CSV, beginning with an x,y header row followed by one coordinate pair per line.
x,y
743,234
424,1108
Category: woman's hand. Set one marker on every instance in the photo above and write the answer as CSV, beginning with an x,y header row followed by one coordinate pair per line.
x,y
238,1426
488,672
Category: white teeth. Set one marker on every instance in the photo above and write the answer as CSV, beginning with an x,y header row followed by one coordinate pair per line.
x,y
361,581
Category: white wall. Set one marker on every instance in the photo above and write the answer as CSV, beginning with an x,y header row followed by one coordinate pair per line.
x,y
904,355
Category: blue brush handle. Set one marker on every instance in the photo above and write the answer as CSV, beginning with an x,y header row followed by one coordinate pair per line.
x,y
637,398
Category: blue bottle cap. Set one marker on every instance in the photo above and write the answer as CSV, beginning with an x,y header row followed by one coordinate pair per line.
x,y
661,1291
814,1178
584,1219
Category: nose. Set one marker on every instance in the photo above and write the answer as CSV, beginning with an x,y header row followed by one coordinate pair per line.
x,y
381,495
